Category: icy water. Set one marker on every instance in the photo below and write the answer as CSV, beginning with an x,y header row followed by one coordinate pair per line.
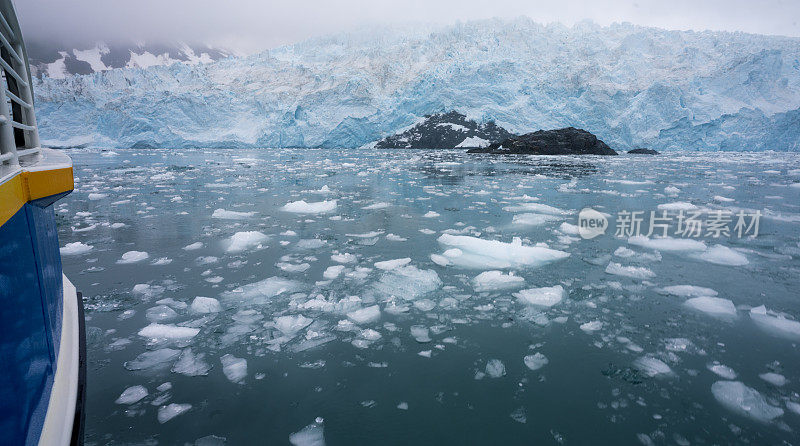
x,y
364,314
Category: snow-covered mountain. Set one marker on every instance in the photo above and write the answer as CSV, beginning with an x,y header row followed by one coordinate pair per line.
x,y
629,85
55,61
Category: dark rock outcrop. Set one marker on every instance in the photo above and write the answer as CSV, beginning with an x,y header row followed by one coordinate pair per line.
x,y
566,141
445,131
643,152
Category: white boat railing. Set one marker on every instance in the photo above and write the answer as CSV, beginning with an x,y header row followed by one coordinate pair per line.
x,y
19,136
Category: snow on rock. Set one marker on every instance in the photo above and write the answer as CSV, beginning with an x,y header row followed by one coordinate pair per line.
x,y
541,297
388,265
365,315
746,401
204,305
245,240
775,325
535,361
170,411
133,257
301,207
712,306
231,215
162,331
495,280
131,395
472,252
75,248
235,369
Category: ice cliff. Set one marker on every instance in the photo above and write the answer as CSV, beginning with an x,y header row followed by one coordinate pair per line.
x,y
629,85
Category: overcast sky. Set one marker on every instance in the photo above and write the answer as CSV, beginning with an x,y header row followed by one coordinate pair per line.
x,y
250,25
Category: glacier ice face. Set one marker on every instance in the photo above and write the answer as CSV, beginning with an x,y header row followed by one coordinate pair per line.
x,y
631,86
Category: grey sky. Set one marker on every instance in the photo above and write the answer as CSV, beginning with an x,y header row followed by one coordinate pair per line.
x,y
249,25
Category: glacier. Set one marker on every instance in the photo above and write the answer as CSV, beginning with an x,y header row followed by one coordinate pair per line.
x,y
631,86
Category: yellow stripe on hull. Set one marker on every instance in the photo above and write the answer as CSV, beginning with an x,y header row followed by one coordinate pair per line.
x,y
28,186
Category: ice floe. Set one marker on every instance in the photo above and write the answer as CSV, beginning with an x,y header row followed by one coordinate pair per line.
x,y
170,411
231,215
75,248
712,306
365,315
495,368
204,305
388,265
634,272
495,280
541,297
163,331
235,369
132,395
472,252
302,207
746,401
776,325
535,361
245,240
133,257
311,435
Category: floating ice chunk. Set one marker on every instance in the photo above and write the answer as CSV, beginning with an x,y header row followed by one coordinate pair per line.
x,y
627,253
541,297
495,281
133,257
160,313
375,206
794,407
203,305
170,411
535,361
677,206
264,289
343,258
538,208
191,364
161,261
776,325
408,282
365,315
721,199
96,196
530,219
245,240
193,246
402,405
425,304
634,272
333,272
301,207
420,333
131,395
291,324
310,243
713,306
592,326
721,370
472,252
688,291
651,366
425,353
388,265
152,359
231,215
162,331
311,435
292,267
722,255
568,228
672,191
74,249
668,244
775,379
395,238
431,214
235,369
495,368
746,401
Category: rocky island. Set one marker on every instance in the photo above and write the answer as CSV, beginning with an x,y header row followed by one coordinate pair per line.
x,y
566,141
445,131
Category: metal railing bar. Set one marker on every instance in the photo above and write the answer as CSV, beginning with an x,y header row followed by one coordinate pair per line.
x,y
21,126
19,101
13,73
7,27
11,49
25,152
